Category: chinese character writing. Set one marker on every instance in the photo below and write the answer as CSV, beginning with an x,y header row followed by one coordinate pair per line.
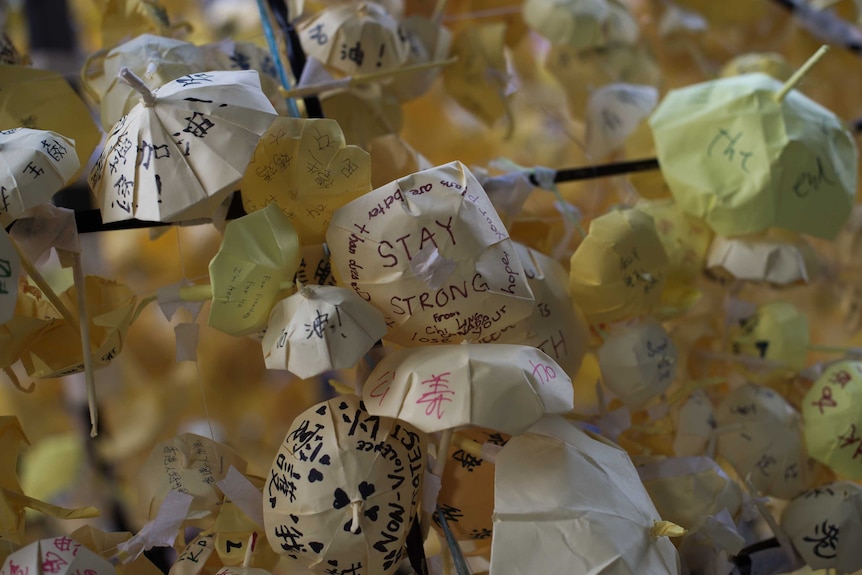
x,y
825,540
4,200
318,35
198,125
35,170
55,149
150,152
825,399
438,393
194,79
355,53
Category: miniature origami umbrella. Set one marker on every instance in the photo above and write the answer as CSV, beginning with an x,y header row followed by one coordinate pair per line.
x,y
364,112
586,512
57,556
430,252
233,529
10,270
35,165
694,423
355,38
639,362
614,112
769,63
124,19
319,329
581,24
155,59
777,332
499,386
230,55
825,526
686,489
617,272
53,354
44,100
761,159
257,259
197,556
183,149
305,167
760,434
767,260
833,429
344,487
429,42
190,464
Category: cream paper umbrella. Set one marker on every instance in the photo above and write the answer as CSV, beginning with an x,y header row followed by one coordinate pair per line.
x,y
58,556
745,154
581,24
638,362
10,271
343,489
231,55
618,271
614,112
355,38
306,168
760,434
180,152
190,464
499,386
763,260
156,59
585,512
833,424
825,526
556,326
319,329
34,165
430,252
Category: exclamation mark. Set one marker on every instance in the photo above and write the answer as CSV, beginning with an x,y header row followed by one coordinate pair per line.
x,y
159,187
380,56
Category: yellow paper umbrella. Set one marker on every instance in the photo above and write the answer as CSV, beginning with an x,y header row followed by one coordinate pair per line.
x,y
618,271
124,19
155,59
429,42
233,529
343,488
319,329
190,464
305,167
499,386
825,526
10,271
777,332
639,362
198,557
586,512
430,252
57,556
257,259
43,100
35,164
581,24
760,434
769,260
355,38
833,430
686,239
746,154
181,151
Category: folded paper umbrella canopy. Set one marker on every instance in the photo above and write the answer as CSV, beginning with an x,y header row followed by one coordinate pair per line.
x,y
430,252
767,260
306,168
747,153
355,38
618,271
499,386
57,556
760,434
343,489
825,526
183,149
586,512
577,23
833,427
44,100
155,59
34,165
319,329
776,333
614,112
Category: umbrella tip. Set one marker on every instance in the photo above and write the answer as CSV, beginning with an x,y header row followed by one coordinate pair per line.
x,y
133,80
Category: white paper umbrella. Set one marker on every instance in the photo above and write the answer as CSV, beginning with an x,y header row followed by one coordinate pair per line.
x,y
825,526
57,556
639,362
34,165
10,270
430,252
567,503
183,149
772,261
343,489
502,387
320,328
614,112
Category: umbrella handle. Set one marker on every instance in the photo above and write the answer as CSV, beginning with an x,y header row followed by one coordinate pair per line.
x,y
93,68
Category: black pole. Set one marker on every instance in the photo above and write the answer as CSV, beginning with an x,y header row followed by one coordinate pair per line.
x,y
600,171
